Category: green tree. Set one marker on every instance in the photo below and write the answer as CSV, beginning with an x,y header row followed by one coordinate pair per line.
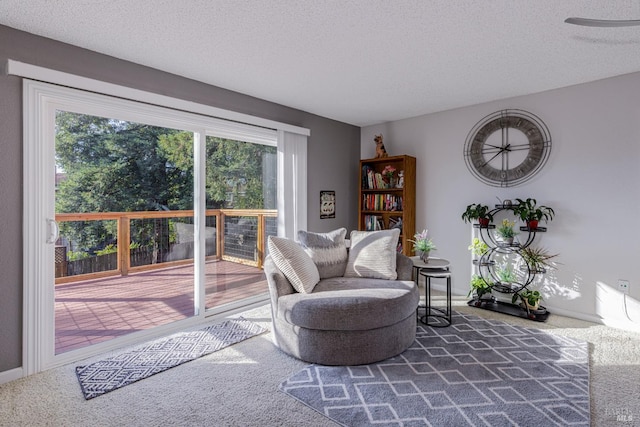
x,y
177,150
235,177
118,166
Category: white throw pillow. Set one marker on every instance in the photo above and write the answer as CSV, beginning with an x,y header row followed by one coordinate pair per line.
x,y
373,254
327,250
294,263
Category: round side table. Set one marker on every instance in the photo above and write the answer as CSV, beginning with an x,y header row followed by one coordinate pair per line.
x,y
435,268
433,264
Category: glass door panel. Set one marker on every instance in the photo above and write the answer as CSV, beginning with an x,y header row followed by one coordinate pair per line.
x,y
124,205
241,202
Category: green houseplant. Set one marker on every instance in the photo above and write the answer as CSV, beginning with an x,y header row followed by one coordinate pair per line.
x,y
506,274
479,286
538,259
423,244
506,232
531,214
478,247
531,299
480,212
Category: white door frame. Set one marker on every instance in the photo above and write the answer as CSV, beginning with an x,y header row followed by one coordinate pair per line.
x,y
41,103
41,100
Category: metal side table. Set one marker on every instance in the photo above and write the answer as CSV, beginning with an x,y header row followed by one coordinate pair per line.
x,y
435,268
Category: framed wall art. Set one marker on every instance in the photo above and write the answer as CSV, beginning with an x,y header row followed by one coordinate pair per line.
x,y
327,204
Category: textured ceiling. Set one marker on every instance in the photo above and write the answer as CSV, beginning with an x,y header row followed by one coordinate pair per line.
x,y
357,61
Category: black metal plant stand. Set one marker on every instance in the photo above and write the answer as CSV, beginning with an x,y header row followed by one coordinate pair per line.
x,y
487,264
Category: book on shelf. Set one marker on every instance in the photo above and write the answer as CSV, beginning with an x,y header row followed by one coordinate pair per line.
x,y
372,180
373,223
381,202
365,177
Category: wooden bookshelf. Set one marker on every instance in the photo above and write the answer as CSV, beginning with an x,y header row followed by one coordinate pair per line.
x,y
380,207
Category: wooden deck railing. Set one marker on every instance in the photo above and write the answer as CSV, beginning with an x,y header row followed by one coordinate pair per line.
x,y
124,238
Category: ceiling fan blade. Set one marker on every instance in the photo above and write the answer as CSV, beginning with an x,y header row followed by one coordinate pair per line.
x,y
602,22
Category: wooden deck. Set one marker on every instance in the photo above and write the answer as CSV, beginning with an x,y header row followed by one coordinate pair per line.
x,y
92,311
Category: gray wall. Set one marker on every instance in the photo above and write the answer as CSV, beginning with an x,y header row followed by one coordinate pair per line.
x,y
333,152
592,181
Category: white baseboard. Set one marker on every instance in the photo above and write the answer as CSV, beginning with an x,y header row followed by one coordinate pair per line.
x,y
11,375
562,312
575,314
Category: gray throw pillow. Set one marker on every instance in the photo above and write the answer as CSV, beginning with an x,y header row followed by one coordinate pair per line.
x,y
373,254
295,264
327,250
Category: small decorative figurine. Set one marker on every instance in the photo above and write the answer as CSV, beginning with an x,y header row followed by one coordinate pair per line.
x,y
380,150
400,183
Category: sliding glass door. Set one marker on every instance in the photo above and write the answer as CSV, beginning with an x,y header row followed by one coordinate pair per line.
x,y
140,220
124,207
241,212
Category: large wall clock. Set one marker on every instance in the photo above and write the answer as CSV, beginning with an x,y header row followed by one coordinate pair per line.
x,y
507,148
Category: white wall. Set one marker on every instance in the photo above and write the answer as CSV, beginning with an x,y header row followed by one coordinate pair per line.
x,y
592,181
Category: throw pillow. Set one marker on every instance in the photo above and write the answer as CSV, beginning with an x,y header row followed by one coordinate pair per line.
x,y
294,263
373,254
327,250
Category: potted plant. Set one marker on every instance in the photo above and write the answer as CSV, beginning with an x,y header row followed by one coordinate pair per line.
x,y
537,259
506,232
479,287
423,245
388,172
478,247
530,299
506,275
479,212
532,214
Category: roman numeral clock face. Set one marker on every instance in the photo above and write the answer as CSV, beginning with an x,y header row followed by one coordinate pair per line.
x,y
507,148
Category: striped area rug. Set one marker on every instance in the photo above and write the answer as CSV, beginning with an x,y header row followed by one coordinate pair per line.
x,y
157,356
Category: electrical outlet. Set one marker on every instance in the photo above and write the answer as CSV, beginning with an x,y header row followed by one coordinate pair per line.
x,y
623,286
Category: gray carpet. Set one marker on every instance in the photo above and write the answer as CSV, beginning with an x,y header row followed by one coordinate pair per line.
x,y
157,356
237,385
477,372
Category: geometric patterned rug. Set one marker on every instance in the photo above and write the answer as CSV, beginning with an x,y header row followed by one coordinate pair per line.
x,y
476,372
159,355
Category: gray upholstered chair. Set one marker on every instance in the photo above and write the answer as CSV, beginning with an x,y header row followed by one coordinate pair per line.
x,y
344,320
